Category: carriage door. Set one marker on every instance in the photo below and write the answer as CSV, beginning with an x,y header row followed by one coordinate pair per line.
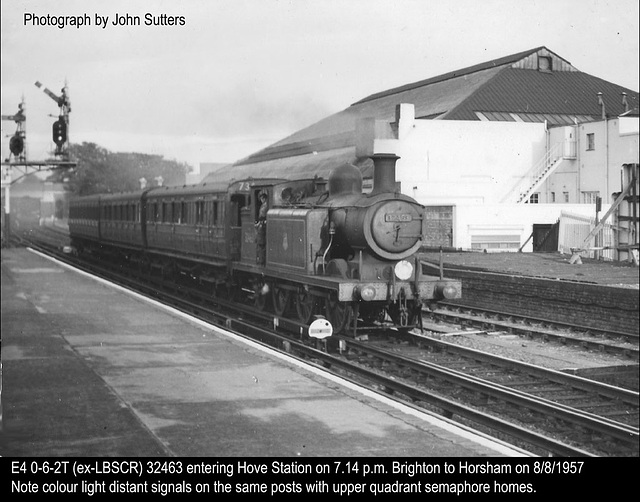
x,y
236,203
216,219
248,231
201,226
152,227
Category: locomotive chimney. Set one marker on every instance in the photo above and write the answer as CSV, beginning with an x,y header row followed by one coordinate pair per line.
x,y
384,172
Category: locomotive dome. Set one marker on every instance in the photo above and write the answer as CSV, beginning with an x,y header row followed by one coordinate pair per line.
x,y
346,179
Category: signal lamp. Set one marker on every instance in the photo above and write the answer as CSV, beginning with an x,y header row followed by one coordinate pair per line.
x,y
16,144
60,132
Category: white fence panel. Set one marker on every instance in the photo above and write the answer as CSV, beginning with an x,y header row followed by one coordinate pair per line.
x,y
575,228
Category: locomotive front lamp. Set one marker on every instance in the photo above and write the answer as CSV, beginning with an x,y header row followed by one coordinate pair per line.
x,y
368,293
447,291
450,292
403,270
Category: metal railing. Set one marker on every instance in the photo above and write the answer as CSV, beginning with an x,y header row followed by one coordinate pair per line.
x,y
540,171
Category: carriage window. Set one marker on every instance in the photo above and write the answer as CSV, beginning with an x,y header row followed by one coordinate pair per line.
x,y
165,212
183,212
216,215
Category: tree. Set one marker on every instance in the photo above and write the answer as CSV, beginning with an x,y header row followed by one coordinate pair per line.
x,y
101,171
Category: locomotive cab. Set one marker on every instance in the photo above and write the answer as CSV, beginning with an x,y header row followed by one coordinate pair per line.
x,y
260,205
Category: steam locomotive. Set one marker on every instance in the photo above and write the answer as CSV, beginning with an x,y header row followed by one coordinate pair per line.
x,y
325,248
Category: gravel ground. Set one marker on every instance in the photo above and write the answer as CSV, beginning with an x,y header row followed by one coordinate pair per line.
x,y
548,355
546,265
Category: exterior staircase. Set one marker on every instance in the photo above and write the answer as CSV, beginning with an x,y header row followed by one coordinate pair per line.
x,y
522,191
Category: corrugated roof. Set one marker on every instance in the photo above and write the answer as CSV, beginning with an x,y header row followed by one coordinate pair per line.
x,y
495,63
534,92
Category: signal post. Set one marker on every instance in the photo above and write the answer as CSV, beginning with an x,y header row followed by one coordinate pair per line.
x,y
17,159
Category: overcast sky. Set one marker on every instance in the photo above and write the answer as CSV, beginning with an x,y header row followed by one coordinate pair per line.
x,y
242,74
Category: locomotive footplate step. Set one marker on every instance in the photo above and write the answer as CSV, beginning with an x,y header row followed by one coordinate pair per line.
x,y
92,370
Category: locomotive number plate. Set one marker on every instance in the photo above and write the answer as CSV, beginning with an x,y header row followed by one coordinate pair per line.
x,y
397,217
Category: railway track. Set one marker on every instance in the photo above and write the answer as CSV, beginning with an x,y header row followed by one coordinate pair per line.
x,y
619,344
517,414
572,409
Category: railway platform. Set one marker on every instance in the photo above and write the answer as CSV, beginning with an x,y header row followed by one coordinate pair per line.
x,y
90,369
555,266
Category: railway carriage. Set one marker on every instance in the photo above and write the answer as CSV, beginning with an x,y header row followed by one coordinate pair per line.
x,y
325,248
120,222
187,221
84,220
